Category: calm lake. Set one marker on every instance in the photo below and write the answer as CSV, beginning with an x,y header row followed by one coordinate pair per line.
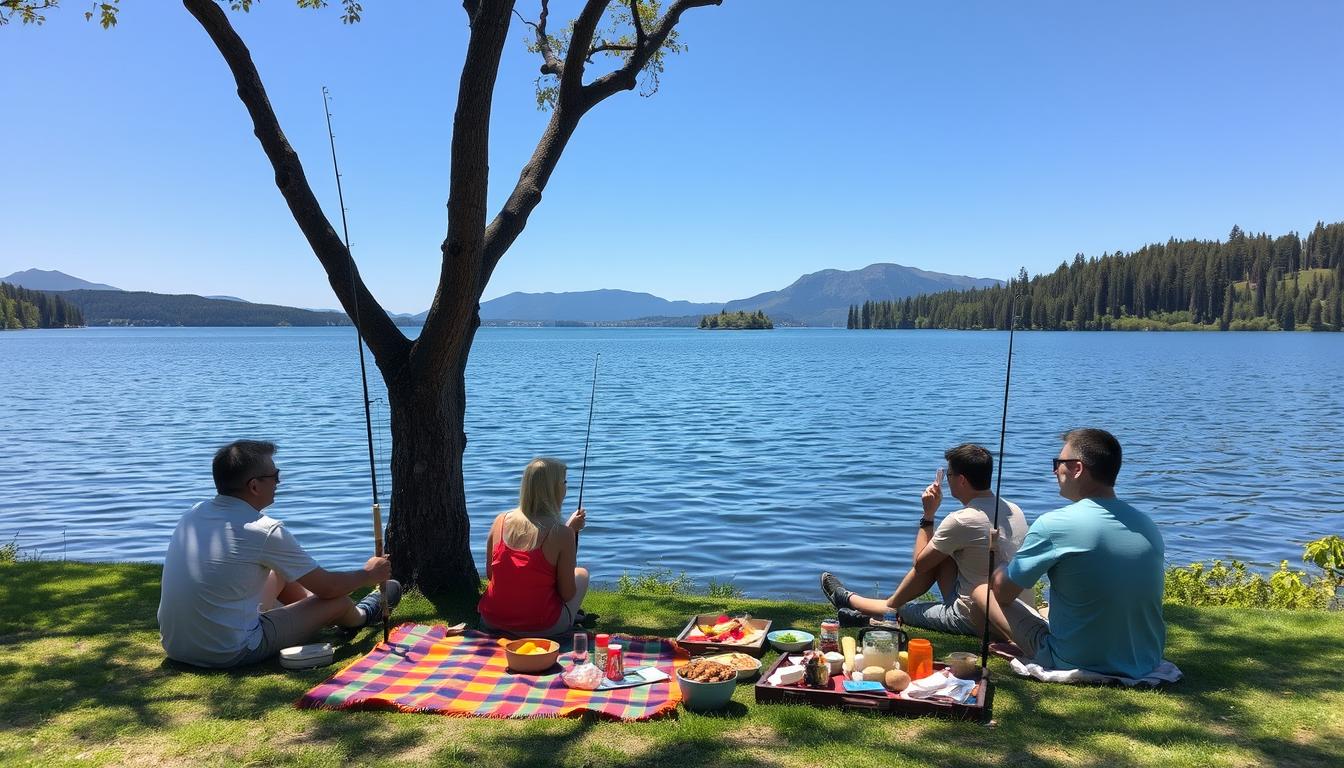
x,y
756,457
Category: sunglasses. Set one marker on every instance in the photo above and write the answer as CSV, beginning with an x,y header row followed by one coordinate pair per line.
x,y
1058,462
273,476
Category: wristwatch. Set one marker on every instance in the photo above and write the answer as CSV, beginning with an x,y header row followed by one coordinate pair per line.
x,y
925,522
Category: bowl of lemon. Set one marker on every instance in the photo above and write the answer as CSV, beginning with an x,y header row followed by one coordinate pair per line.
x,y
530,655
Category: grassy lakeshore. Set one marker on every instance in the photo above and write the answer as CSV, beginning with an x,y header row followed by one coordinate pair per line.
x,y
85,683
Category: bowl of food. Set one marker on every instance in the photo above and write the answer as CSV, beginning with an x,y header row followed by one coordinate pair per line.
x,y
746,666
531,655
790,640
706,685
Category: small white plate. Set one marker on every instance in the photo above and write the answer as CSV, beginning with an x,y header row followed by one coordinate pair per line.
x,y
307,656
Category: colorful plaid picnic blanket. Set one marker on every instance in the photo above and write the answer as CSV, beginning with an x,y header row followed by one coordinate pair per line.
x,y
466,676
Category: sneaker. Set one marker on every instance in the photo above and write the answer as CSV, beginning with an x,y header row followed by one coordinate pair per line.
x,y
371,604
834,590
849,617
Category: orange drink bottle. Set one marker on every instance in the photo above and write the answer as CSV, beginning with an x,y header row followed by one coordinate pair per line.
x,y
921,658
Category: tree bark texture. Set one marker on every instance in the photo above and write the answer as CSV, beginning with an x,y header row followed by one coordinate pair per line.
x,y
429,533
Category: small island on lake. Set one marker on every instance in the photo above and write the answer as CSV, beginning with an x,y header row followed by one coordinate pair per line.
x,y
737,321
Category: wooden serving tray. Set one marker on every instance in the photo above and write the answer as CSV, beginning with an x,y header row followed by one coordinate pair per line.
x,y
698,648
886,702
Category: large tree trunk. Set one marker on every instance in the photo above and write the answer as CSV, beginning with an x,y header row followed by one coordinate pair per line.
x,y
429,533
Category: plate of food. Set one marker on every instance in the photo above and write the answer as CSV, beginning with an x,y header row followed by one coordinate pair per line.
x,y
719,633
746,666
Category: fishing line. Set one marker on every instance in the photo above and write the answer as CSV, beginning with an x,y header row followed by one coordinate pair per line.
x,y
998,480
363,371
583,474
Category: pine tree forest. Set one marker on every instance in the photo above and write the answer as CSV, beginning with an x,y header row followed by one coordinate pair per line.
x,y
1247,283
22,308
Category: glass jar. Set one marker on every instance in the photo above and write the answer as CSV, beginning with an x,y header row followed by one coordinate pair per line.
x,y
830,636
879,649
600,643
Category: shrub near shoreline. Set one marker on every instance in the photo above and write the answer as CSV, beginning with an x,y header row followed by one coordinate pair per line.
x,y
1236,586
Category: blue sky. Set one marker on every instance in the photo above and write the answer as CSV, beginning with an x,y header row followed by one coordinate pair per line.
x,y
970,138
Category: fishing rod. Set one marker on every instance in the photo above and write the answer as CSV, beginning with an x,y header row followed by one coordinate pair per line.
x,y
998,481
592,397
363,372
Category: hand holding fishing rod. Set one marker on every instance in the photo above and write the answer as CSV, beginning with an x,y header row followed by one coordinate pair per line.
x,y
363,374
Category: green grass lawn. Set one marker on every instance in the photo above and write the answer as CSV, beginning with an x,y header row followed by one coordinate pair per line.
x,y
83,682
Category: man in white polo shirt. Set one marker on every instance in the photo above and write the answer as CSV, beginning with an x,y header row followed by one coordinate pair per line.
x,y
237,587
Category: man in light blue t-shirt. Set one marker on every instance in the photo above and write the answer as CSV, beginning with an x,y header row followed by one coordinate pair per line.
x,y
1105,563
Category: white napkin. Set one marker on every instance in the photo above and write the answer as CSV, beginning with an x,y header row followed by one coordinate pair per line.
x,y
940,684
1166,672
795,672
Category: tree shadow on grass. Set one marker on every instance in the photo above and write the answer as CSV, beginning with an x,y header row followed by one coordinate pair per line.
x,y
42,600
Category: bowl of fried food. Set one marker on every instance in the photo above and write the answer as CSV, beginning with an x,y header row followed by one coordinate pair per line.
x,y
706,685
746,666
531,655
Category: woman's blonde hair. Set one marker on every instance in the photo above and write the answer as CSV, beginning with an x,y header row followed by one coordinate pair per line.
x,y
539,497
542,491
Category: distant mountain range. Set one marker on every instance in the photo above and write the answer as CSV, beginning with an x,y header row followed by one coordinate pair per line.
x,y
51,280
140,308
589,306
823,298
818,299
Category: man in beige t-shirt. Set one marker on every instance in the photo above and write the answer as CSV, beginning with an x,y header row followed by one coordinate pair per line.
x,y
955,556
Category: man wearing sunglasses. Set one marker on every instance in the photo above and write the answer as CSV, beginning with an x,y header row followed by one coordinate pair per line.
x,y
1104,559
237,587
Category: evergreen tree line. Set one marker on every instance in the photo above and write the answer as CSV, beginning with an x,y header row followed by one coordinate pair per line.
x,y
22,308
737,321
1249,282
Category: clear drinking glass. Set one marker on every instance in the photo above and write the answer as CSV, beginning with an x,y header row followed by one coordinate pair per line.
x,y
580,648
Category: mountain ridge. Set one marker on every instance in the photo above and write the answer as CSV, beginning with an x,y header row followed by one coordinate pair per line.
x,y
819,298
53,280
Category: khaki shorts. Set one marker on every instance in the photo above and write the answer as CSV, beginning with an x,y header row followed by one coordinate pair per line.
x,y
279,630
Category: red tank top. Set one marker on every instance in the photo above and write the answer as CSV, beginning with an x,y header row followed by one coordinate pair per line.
x,y
522,594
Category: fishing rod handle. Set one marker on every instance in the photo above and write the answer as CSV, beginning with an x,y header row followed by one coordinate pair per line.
x,y
377,529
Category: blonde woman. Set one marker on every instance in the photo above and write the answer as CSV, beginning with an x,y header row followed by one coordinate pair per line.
x,y
535,586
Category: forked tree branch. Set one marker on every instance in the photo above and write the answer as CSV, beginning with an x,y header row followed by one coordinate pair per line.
x,y
385,340
573,102
625,78
637,22
550,63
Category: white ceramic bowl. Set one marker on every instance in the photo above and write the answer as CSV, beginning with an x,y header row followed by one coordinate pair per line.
x,y
706,697
801,640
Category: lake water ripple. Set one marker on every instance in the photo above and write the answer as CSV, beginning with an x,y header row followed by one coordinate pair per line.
x,y
759,458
